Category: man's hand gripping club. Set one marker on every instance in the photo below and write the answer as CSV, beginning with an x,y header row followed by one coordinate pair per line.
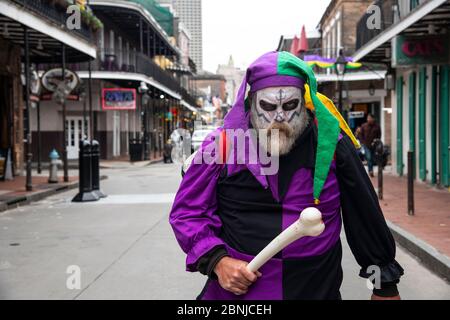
x,y
236,276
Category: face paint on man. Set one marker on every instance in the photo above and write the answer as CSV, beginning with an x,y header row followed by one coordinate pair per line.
x,y
282,109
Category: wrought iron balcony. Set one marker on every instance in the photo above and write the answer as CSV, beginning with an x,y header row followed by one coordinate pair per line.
x,y
131,61
55,11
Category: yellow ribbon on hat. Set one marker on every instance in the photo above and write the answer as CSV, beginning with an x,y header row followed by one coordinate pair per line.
x,y
333,110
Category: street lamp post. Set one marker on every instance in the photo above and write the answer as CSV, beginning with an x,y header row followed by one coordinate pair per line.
x,y
341,64
29,155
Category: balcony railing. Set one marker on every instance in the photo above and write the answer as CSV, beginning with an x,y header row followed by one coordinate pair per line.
x,y
54,12
132,61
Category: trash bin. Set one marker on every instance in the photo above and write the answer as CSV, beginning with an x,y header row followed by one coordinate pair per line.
x,y
136,150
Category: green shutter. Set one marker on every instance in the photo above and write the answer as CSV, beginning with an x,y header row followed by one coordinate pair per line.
x,y
399,90
412,117
413,4
433,124
422,123
444,124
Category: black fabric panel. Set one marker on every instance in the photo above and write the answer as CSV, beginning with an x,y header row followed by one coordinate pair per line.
x,y
251,217
368,235
315,278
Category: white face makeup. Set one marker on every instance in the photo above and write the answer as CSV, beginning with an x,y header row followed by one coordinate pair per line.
x,y
282,109
280,104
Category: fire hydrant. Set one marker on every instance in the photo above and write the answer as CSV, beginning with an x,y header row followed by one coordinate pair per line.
x,y
53,169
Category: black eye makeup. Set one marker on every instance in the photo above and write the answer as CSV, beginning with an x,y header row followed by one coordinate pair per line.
x,y
266,106
291,105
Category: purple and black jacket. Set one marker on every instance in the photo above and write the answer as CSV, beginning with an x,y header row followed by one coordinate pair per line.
x,y
231,209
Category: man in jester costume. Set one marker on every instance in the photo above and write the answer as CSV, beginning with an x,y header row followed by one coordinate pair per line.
x,y
226,212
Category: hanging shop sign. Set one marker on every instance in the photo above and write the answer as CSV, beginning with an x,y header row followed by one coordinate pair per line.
x,y
356,114
52,79
118,99
421,50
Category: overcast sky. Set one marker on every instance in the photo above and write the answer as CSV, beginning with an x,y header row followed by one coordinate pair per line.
x,y
248,28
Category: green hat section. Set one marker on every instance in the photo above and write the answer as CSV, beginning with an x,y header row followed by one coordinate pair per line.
x,y
328,125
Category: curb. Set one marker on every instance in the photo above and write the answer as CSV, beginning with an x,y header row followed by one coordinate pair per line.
x,y
155,162
127,166
428,255
27,199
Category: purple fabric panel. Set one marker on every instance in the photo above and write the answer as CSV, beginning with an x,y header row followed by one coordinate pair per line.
x,y
277,81
319,58
267,287
193,217
299,197
237,117
263,67
313,57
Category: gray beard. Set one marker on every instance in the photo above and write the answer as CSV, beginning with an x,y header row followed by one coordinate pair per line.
x,y
286,142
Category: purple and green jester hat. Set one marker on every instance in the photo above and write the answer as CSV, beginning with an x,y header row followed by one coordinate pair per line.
x,y
275,69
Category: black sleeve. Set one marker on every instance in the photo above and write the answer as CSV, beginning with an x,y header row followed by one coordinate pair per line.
x,y
367,233
208,261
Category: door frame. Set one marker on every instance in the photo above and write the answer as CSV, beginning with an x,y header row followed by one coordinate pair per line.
x,y
76,134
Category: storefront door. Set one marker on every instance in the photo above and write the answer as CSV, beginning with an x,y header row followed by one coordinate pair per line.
x,y
75,132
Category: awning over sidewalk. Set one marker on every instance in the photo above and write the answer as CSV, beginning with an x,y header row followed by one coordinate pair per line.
x,y
122,18
417,21
354,76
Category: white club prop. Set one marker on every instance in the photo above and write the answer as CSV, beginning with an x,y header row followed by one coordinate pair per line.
x,y
309,224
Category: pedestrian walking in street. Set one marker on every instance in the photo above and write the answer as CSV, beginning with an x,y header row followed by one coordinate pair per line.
x,y
369,132
227,211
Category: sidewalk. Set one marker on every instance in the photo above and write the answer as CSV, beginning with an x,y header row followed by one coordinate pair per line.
x,y
13,192
429,226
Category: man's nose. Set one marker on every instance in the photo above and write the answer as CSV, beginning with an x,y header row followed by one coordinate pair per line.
x,y
280,117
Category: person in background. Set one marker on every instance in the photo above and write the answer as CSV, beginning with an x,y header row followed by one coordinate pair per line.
x,y
369,132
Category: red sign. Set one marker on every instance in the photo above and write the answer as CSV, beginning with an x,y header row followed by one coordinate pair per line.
x,y
421,50
118,99
423,47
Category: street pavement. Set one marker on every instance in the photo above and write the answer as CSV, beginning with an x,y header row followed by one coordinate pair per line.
x,y
125,248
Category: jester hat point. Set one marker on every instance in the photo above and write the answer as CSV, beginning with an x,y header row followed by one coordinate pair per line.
x,y
275,69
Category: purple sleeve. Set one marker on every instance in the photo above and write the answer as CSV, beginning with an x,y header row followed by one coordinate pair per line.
x,y
193,216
